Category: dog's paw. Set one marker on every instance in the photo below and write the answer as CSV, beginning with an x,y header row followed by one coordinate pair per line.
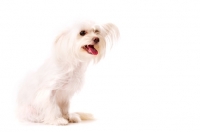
x,y
58,121
74,118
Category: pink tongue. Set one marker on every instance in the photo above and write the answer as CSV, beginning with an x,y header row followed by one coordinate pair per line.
x,y
92,50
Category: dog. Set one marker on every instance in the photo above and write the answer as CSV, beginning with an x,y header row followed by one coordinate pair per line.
x,y
44,96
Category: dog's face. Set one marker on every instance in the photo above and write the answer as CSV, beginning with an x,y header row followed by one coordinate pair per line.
x,y
91,43
85,41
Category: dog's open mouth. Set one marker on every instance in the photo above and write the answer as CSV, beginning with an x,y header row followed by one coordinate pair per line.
x,y
90,49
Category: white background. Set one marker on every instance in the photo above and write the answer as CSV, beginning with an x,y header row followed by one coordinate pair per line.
x,y
149,81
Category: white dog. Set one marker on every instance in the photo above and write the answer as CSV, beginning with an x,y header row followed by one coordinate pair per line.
x,y
45,95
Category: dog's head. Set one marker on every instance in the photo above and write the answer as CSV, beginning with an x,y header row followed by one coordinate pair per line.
x,y
85,41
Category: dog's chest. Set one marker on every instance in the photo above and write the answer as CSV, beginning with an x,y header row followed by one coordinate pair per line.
x,y
72,81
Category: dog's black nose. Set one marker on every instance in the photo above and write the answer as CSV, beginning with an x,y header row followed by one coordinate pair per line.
x,y
96,39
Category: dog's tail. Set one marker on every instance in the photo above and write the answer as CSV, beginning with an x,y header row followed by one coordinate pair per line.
x,y
85,116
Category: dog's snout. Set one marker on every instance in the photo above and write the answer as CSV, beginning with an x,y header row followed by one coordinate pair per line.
x,y
96,39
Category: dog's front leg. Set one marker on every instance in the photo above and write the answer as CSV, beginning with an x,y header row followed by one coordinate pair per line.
x,y
50,110
71,117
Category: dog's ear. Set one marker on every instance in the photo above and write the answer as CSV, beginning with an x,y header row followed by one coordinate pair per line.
x,y
110,32
60,45
60,38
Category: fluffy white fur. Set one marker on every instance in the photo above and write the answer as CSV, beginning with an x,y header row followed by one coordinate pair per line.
x,y
44,96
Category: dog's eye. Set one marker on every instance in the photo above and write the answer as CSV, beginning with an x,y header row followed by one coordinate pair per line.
x,y
83,32
96,31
